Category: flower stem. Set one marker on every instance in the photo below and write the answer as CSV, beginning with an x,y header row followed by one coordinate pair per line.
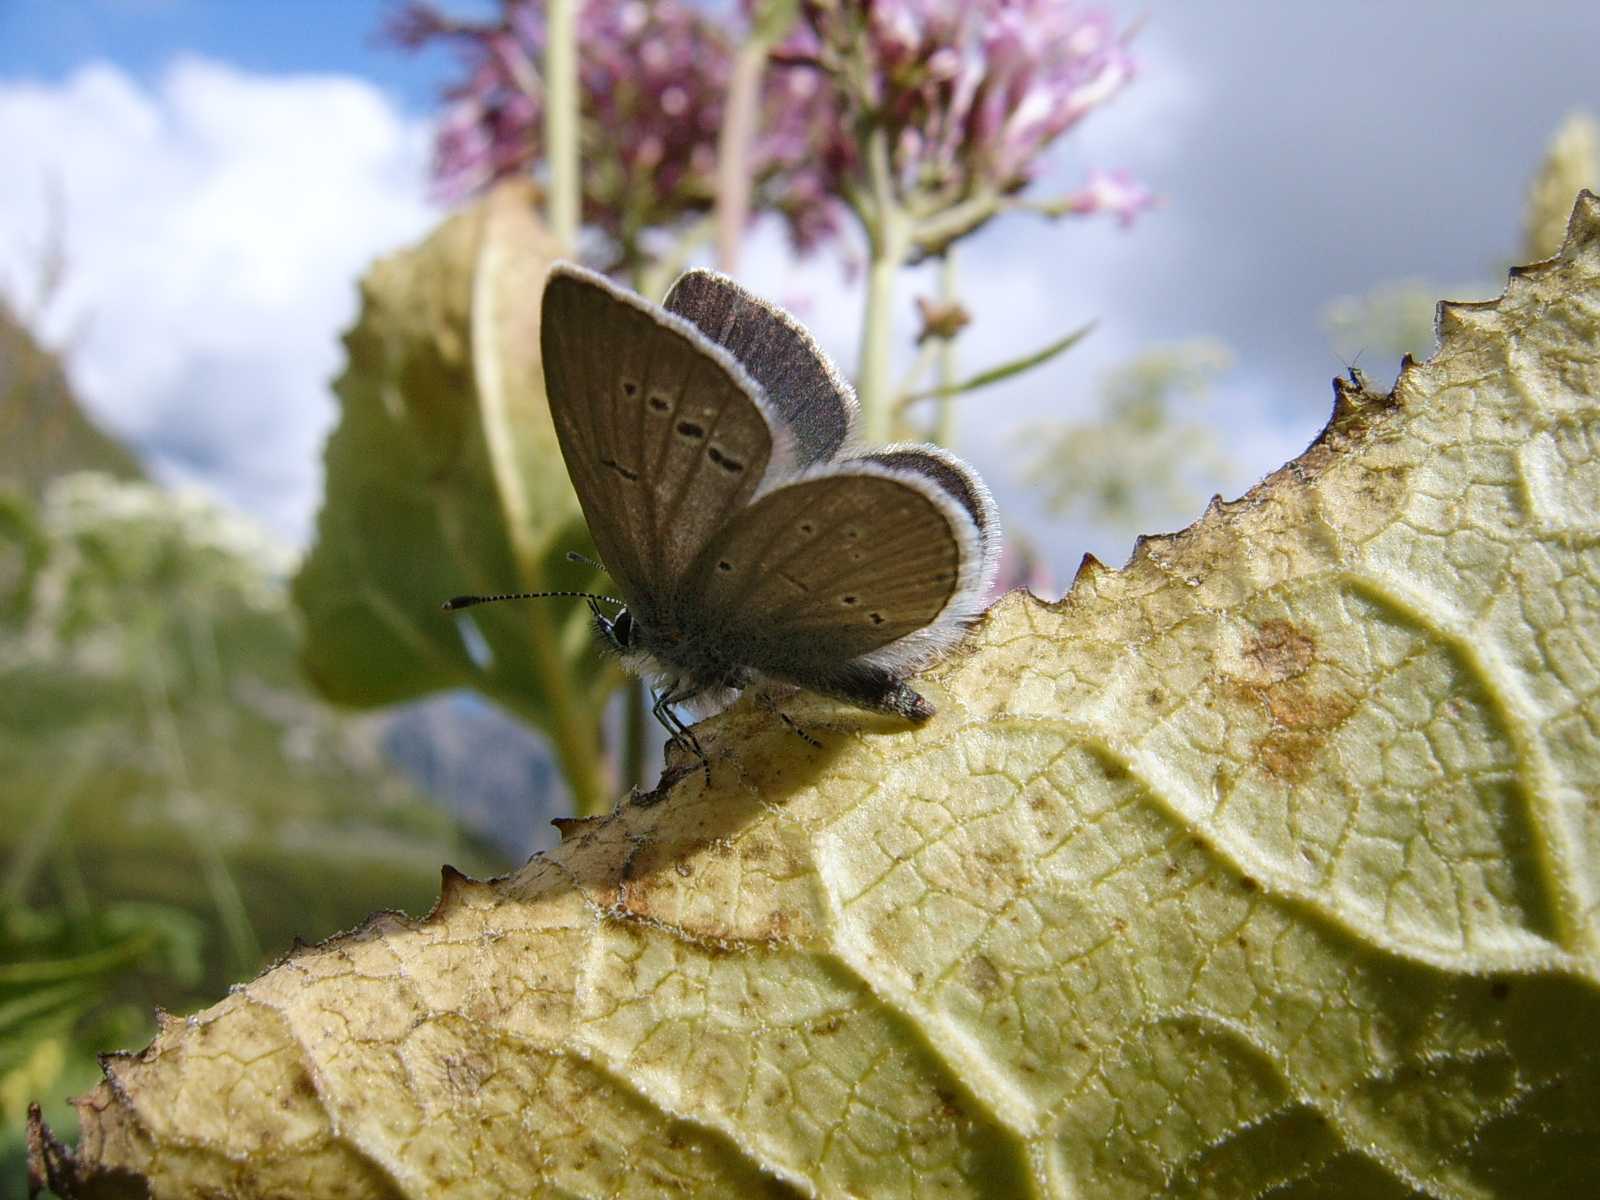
x,y
944,425
561,118
877,328
889,236
635,728
733,150
573,726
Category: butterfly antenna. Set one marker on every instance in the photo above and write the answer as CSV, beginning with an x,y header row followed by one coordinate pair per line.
x,y
457,603
574,556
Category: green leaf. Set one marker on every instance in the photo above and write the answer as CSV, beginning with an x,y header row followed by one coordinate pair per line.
x,y
1266,865
1005,370
444,477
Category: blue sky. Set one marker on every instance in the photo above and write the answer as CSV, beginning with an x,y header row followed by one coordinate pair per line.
x,y
222,171
46,39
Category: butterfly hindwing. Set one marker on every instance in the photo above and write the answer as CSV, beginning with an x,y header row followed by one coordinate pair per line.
x,y
957,479
842,562
814,400
663,433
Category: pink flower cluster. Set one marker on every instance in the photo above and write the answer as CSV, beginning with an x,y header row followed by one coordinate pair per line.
x,y
969,93
653,77
1114,192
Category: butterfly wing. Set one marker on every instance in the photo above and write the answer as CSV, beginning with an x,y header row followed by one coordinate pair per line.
x,y
800,380
664,434
959,481
852,564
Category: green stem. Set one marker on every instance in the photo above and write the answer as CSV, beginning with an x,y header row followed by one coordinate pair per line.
x,y
939,228
890,243
635,727
944,425
733,145
889,237
575,733
569,721
561,118
576,737
96,962
573,726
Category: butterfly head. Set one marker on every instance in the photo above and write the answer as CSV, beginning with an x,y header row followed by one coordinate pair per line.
x,y
618,633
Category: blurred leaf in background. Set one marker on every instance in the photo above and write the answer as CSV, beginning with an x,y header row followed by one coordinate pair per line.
x,y
1395,319
1571,164
176,807
1151,452
444,477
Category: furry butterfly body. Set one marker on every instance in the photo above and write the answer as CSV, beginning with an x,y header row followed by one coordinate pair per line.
x,y
710,444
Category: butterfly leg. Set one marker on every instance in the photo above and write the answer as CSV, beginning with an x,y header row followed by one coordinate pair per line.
x,y
800,733
679,733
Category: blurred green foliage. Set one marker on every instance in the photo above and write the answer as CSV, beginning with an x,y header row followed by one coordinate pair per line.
x,y
1147,455
176,808
43,431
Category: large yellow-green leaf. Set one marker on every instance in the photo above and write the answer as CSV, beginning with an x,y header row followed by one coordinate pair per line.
x,y
444,477
1267,864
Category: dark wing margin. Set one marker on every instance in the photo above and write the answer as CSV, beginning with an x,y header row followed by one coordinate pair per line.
x,y
664,435
960,481
799,379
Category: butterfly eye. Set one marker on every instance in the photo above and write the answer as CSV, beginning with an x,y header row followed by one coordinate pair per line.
x,y
622,629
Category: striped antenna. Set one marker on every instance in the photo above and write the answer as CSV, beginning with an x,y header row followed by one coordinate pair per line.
x,y
457,603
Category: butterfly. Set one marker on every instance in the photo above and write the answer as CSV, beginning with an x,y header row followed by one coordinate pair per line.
x,y
712,447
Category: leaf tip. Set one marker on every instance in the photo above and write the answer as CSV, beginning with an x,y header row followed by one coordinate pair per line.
x,y
454,887
574,827
1088,567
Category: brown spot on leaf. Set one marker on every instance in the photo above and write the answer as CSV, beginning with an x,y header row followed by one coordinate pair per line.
x,y
1287,755
1296,707
1302,720
1280,651
949,1106
983,976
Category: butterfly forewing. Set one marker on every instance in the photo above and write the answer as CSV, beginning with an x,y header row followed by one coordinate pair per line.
x,y
815,402
822,570
663,434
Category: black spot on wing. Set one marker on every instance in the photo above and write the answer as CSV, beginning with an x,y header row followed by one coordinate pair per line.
x,y
612,464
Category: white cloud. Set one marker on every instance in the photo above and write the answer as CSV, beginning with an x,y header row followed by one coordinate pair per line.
x,y
215,224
